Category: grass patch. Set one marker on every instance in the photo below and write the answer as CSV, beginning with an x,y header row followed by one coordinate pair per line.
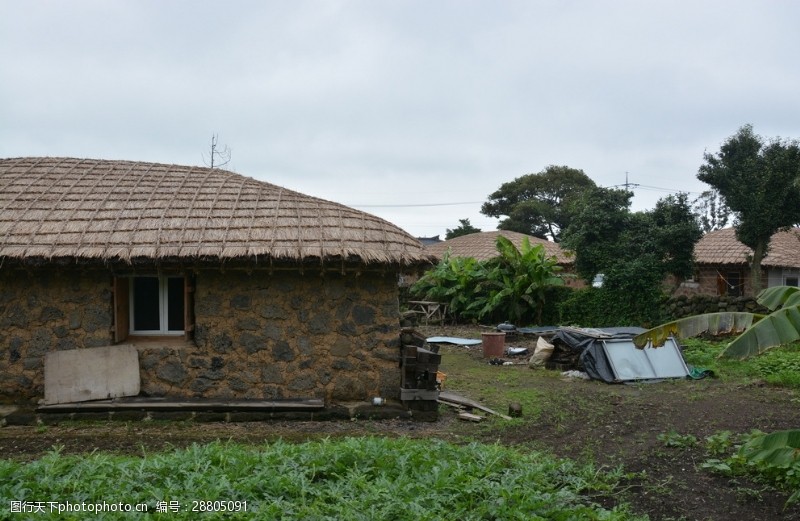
x,y
778,366
354,478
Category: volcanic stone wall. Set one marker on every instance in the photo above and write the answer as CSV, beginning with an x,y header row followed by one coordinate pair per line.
x,y
285,335
257,335
45,310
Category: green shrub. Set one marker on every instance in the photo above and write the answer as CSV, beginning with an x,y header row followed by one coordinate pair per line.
x,y
512,286
630,296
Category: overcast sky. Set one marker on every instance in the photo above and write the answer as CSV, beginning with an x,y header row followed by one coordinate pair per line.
x,y
412,110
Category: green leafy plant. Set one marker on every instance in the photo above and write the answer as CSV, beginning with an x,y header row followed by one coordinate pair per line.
x,y
512,286
677,440
361,478
776,456
757,332
773,458
456,281
517,280
719,443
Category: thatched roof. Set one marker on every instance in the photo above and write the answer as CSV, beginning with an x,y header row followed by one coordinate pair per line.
x,y
722,247
482,246
123,211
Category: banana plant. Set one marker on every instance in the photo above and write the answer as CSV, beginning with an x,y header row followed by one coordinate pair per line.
x,y
777,453
757,332
517,280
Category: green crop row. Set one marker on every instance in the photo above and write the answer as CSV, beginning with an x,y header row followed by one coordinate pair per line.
x,y
367,478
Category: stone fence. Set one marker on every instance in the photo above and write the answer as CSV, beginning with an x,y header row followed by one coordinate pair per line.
x,y
684,306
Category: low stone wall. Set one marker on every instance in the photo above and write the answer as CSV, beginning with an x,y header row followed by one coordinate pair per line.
x,y
684,306
48,310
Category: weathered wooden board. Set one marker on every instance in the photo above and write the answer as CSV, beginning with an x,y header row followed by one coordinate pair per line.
x,y
80,375
447,397
466,416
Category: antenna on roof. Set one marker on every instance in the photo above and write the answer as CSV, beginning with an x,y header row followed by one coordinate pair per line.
x,y
223,154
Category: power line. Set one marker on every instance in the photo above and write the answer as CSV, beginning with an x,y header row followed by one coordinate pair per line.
x,y
411,205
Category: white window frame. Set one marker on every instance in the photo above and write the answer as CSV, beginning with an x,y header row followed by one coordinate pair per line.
x,y
163,308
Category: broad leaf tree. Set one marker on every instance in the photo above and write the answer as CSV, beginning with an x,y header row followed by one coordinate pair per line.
x,y
758,180
538,204
596,228
711,211
513,285
633,250
464,228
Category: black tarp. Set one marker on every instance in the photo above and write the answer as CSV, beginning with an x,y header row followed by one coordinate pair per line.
x,y
584,347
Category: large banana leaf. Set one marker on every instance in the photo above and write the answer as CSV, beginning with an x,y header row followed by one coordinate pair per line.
x,y
780,448
779,327
710,323
758,332
779,297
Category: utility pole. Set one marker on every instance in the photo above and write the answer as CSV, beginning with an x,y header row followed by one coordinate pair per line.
x,y
627,184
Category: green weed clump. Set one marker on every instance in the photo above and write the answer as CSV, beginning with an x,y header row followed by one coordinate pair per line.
x,y
353,478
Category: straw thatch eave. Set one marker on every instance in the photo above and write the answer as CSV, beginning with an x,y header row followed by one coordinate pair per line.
x,y
119,211
482,246
721,247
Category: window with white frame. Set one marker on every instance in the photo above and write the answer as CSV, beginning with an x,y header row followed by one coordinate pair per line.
x,y
157,305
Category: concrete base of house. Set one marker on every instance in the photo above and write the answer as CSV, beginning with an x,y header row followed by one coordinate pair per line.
x,y
139,409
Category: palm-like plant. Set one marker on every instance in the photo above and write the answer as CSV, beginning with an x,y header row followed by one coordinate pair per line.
x,y
455,281
518,278
757,332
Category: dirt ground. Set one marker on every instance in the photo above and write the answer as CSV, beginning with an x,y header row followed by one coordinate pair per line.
x,y
611,425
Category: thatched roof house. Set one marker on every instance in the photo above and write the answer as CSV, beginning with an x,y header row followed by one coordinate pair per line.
x,y
250,290
123,211
482,246
722,263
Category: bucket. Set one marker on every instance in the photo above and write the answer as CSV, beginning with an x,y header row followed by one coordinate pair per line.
x,y
493,344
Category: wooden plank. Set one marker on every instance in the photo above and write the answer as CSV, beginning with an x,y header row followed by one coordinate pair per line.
x,y
470,417
79,375
450,397
121,309
418,394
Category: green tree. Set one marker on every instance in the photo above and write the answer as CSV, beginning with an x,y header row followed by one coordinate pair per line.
x,y
675,230
464,228
538,204
758,180
595,230
633,251
711,211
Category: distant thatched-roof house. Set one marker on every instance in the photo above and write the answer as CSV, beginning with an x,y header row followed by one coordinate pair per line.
x,y
722,263
482,246
249,290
